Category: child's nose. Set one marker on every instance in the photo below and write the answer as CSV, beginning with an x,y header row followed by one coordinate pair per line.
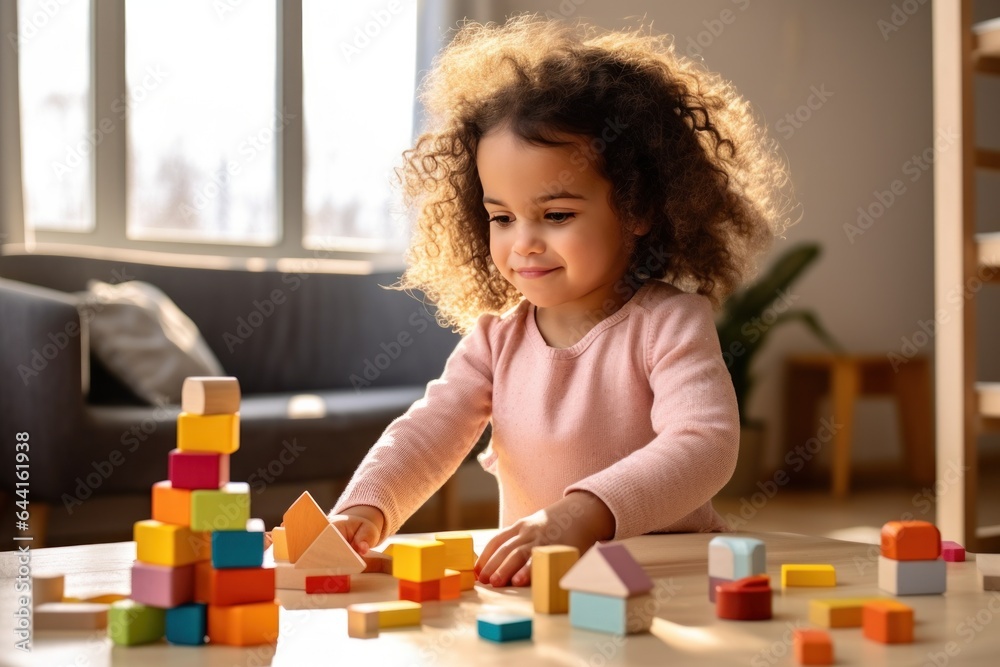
x,y
527,240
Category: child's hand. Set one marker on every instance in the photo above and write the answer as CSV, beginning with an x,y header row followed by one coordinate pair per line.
x,y
361,526
579,520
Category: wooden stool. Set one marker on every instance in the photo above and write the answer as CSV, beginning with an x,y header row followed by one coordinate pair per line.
x,y
845,377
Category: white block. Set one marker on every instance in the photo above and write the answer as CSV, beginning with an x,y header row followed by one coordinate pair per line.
x,y
912,577
731,557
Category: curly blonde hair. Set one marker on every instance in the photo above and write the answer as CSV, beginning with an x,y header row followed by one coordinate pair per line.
x,y
692,160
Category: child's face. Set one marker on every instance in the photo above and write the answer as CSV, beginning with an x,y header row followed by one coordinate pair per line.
x,y
550,209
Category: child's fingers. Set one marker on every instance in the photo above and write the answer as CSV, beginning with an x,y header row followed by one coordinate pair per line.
x,y
267,539
523,576
364,537
491,547
516,559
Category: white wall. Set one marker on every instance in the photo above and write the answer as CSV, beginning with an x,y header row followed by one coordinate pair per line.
x,y
876,290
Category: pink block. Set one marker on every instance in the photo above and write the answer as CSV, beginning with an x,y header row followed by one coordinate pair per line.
x,y
162,585
197,470
628,570
952,552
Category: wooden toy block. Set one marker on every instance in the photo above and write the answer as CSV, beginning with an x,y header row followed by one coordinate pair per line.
x,y
387,551
197,470
210,395
227,508
887,621
159,543
418,560
807,575
390,614
234,586
288,576
747,599
713,587
131,623
912,577
187,624
105,598
451,585
458,553
734,558
988,566
952,552
243,624
609,613
280,542
837,612
338,583
991,582
303,521
162,585
467,579
549,564
70,616
812,647
171,505
503,627
237,548
47,588
420,591
331,551
208,433
362,624
607,569
911,540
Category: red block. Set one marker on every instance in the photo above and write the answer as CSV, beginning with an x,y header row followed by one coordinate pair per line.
x,y
747,599
420,591
237,585
197,470
329,584
953,552
451,585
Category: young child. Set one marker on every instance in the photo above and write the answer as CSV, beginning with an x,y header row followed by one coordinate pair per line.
x,y
584,200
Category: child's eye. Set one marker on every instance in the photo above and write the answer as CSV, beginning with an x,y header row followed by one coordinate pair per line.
x,y
560,216
501,220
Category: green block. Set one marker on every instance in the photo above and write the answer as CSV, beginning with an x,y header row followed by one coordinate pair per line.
x,y
131,623
225,509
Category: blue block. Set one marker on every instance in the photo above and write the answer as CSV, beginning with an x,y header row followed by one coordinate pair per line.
x,y
237,548
602,613
741,557
503,627
186,624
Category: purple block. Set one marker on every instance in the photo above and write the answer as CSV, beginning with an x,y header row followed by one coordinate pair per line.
x,y
953,552
162,585
712,583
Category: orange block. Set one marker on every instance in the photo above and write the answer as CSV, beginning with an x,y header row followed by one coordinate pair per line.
x,y
303,521
812,647
420,591
451,585
244,624
171,505
911,540
233,586
887,621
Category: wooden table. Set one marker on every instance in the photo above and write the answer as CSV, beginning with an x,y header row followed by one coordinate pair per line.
x,y
685,630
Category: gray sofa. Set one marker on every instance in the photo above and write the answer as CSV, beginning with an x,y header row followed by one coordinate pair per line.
x,y
366,352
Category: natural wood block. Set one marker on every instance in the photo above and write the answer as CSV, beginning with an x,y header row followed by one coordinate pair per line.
x,y
911,540
812,647
287,576
280,542
227,508
362,624
391,614
197,470
210,395
131,623
303,522
451,585
420,591
331,551
418,560
328,583
161,543
747,599
607,568
887,621
549,564
105,598
731,557
171,505
458,553
70,616
234,586
837,612
912,577
243,624
162,585
47,588
807,575
208,433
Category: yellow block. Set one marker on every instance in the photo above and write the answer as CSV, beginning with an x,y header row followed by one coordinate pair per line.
x,y
391,614
208,433
838,612
467,579
418,560
243,624
807,575
161,543
458,553
548,565
280,544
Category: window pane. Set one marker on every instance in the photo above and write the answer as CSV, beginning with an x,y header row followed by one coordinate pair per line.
x,y
57,146
359,69
203,127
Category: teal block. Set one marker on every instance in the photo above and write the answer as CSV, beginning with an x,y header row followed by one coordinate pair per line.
x,y
237,548
227,508
603,613
187,624
748,556
503,627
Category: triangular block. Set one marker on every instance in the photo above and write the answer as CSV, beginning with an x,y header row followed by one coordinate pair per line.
x,y
330,551
303,521
607,569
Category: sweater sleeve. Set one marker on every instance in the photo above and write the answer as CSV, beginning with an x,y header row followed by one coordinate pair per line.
x,y
422,448
695,418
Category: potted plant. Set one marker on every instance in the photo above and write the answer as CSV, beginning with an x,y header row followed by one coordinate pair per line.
x,y
748,319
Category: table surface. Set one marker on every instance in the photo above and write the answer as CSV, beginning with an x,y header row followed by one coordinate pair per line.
x,y
958,628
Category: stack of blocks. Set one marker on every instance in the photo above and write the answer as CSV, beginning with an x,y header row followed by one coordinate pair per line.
x,y
199,569
910,562
609,591
731,558
438,569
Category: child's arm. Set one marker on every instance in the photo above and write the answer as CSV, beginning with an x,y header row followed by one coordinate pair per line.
x,y
579,519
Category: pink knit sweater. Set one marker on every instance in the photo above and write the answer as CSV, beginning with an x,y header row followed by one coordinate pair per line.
x,y
640,412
